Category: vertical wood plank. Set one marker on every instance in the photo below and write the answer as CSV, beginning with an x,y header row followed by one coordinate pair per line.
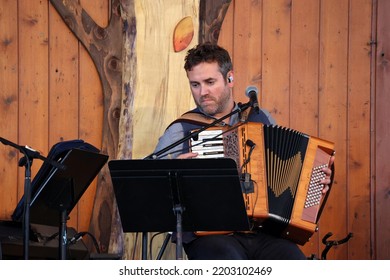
x,y
33,80
276,59
333,113
359,60
225,38
8,106
381,208
247,48
304,66
304,77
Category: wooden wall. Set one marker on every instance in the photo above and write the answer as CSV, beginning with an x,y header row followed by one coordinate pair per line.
x,y
49,92
320,66
311,62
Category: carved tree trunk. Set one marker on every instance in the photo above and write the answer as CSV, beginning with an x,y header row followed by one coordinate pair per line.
x,y
119,52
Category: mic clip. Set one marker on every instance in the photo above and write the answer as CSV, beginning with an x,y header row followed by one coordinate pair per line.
x,y
247,183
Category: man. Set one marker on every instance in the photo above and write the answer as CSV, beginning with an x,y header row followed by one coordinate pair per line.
x,y
210,73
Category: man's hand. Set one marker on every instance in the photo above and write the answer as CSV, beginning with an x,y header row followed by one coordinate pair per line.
x,y
187,155
328,174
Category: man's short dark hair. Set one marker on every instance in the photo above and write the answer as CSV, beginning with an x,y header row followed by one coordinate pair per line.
x,y
208,52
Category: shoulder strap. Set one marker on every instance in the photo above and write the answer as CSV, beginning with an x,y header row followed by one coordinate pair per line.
x,y
193,117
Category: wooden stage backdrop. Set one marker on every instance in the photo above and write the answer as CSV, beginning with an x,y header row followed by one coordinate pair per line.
x,y
321,67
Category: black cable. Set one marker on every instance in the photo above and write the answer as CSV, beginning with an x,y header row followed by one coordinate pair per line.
x,y
80,235
151,242
51,237
164,245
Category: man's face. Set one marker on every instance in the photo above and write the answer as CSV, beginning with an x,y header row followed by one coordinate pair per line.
x,y
210,90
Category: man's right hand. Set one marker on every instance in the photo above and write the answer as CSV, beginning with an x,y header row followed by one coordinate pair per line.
x,y
187,155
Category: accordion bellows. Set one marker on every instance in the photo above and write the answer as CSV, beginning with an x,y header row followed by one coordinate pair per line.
x,y
280,171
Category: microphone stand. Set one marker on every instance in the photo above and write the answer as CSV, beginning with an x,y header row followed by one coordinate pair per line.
x,y
27,160
178,209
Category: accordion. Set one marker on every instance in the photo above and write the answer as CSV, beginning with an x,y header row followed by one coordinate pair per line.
x,y
280,172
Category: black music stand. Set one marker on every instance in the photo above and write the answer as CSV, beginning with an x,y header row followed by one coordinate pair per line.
x,y
179,195
59,193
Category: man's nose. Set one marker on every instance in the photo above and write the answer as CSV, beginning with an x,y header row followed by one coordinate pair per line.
x,y
204,90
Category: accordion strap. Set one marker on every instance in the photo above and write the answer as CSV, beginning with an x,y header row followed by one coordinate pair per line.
x,y
195,118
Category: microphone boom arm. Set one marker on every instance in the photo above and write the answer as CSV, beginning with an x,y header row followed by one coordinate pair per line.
x,y
30,153
240,109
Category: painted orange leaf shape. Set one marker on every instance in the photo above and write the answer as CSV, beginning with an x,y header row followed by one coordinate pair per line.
x,y
183,34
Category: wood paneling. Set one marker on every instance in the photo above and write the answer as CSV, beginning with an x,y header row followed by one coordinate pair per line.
x,y
43,64
315,77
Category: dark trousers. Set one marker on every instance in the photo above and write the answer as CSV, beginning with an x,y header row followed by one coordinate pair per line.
x,y
242,246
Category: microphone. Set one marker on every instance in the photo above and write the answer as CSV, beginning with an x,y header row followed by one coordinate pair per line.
x,y
252,93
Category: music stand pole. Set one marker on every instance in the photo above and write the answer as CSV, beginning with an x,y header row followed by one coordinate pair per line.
x,y
63,237
63,204
26,213
178,209
144,245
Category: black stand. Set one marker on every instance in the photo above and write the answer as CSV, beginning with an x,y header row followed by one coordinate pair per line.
x,y
179,195
59,184
61,191
27,161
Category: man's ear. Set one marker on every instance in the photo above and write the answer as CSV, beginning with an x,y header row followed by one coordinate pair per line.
x,y
230,78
